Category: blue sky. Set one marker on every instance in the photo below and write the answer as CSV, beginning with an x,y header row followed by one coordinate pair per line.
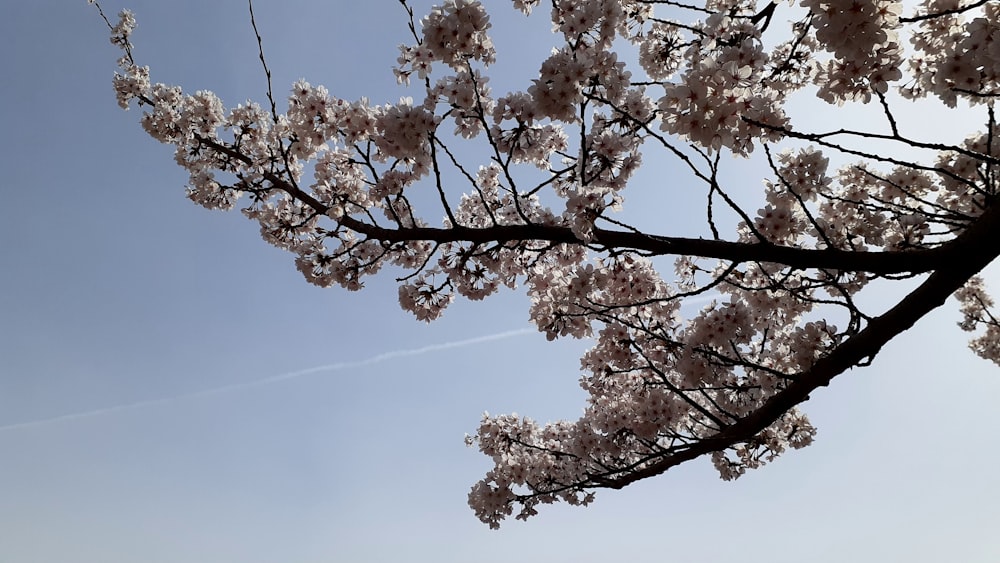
x,y
117,291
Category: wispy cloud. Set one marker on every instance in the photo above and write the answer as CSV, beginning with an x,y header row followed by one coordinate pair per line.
x,y
327,368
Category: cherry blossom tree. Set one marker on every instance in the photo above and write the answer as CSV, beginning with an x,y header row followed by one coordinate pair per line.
x,y
343,186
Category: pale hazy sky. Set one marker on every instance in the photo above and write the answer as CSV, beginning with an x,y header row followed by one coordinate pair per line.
x,y
170,329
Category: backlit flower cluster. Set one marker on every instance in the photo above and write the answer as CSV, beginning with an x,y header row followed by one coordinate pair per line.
x,y
959,57
723,98
453,33
975,311
862,36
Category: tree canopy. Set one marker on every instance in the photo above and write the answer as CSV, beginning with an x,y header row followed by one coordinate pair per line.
x,y
460,191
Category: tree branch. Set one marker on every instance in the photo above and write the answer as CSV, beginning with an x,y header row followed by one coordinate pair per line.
x,y
974,250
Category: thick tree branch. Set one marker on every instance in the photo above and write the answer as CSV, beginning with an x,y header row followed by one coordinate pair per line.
x,y
915,261
976,249
882,263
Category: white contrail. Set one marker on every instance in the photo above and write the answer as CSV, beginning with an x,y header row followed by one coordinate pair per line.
x,y
274,378
295,374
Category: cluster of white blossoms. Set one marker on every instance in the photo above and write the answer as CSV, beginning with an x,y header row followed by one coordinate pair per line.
x,y
724,98
404,131
862,36
453,33
467,94
350,187
660,51
958,58
976,312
